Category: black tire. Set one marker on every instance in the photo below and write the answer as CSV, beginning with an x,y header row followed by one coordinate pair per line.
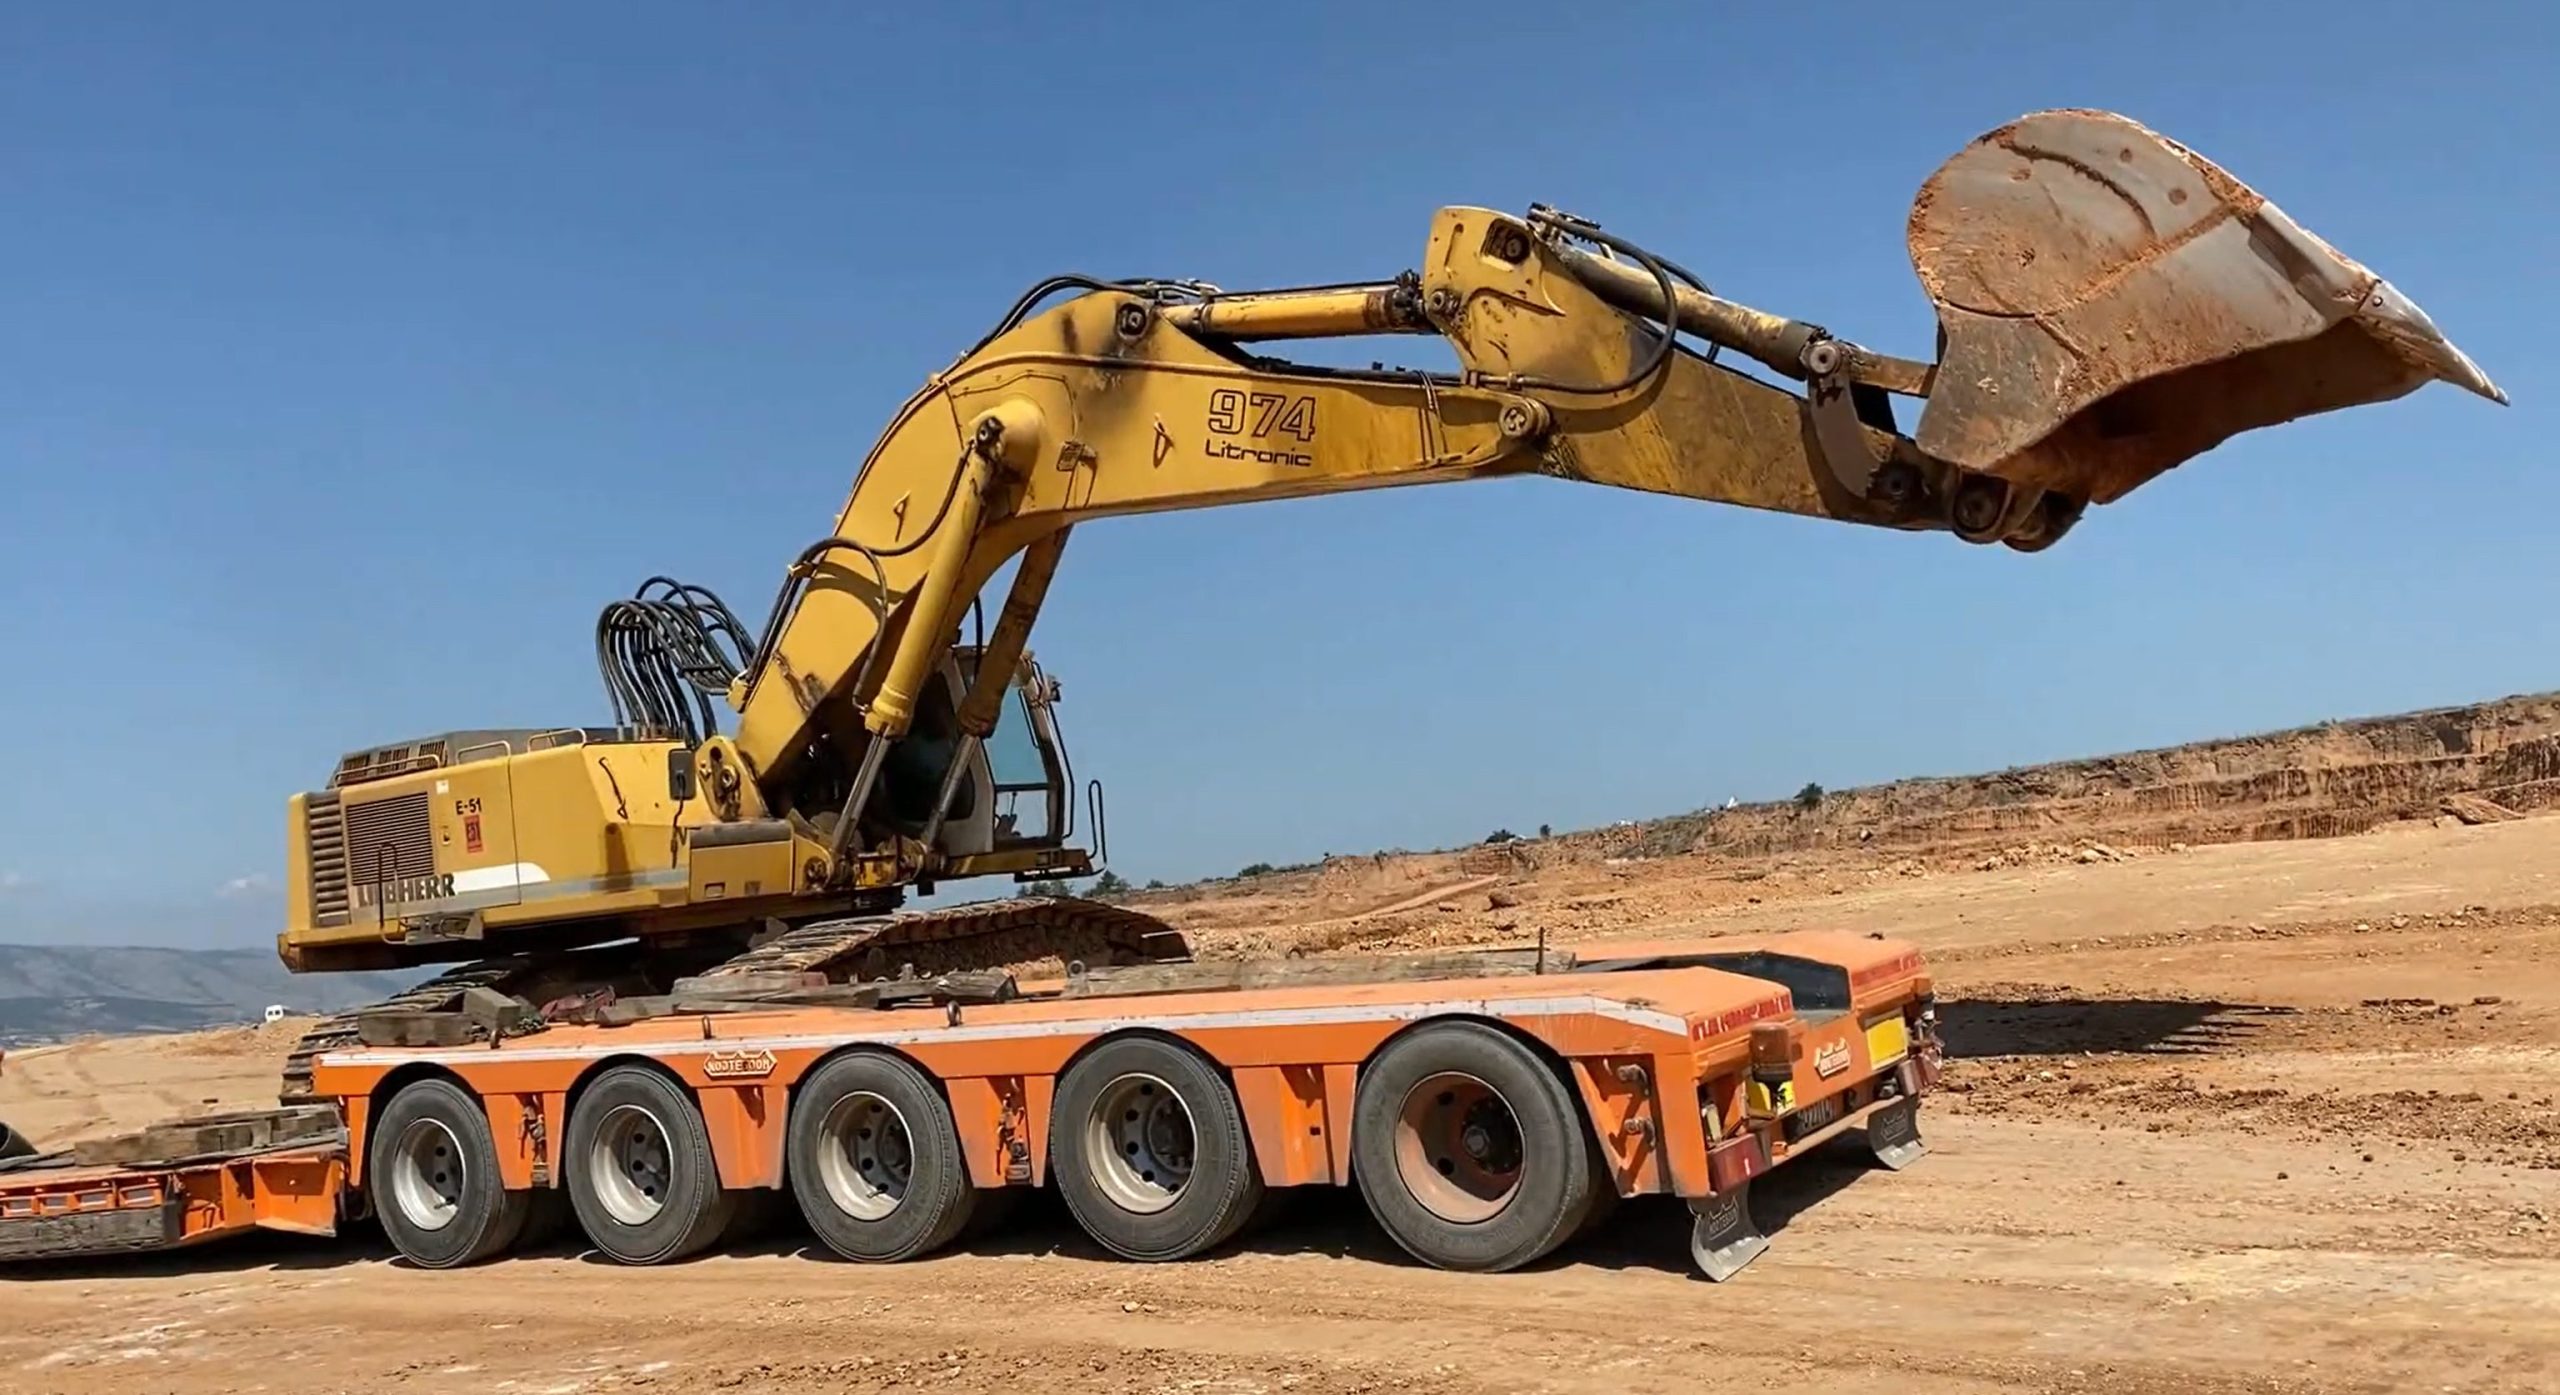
x,y
1604,1196
433,1177
640,1170
875,1159
14,1144
1139,1199
1529,1191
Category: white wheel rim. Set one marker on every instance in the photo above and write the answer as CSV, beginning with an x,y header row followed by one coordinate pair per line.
x,y
427,1175
1140,1142
631,1165
866,1156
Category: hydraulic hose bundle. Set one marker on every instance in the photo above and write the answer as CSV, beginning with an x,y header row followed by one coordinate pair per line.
x,y
665,654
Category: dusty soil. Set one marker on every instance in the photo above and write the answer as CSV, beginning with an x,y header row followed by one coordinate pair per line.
x,y
2250,1117
96,1086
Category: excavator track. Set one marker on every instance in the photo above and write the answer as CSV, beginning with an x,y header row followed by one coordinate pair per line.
x,y
333,1033
1026,933
1029,932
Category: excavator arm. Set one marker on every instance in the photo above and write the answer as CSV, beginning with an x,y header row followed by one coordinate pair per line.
x,y
2110,305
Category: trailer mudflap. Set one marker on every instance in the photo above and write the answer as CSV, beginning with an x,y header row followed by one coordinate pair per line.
x,y
1725,1237
1893,1132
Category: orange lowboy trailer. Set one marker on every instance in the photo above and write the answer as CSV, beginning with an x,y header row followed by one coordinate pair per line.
x,y
1486,1119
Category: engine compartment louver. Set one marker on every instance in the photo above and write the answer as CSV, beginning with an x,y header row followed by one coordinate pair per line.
x,y
325,836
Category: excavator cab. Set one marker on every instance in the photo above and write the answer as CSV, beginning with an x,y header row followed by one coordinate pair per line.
x,y
1015,794
1028,767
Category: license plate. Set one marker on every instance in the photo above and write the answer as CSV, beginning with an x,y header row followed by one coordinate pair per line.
x,y
1817,1114
1888,1041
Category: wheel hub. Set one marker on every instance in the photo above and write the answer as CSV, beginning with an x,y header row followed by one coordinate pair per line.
x,y
1458,1148
427,1175
632,1165
867,1159
1140,1137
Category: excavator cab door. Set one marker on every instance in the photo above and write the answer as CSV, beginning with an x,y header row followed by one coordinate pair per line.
x,y
1014,796
1029,764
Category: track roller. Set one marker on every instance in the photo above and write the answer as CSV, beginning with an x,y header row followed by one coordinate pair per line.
x,y
1150,1150
641,1172
875,1159
1470,1148
433,1176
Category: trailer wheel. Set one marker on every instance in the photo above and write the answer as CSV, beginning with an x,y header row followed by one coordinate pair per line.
x,y
434,1178
641,1172
1150,1150
1604,1197
1470,1149
875,1159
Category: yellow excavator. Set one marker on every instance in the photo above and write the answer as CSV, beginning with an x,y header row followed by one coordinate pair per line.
x,y
2109,305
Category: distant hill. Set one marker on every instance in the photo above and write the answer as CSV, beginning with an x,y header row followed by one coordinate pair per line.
x,y
51,992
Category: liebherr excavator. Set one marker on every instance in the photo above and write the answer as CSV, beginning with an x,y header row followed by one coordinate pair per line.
x,y
2109,305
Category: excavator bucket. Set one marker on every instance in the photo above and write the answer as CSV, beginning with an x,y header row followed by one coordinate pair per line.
x,y
2112,304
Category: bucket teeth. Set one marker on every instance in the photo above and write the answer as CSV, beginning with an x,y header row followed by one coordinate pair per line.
x,y
2396,320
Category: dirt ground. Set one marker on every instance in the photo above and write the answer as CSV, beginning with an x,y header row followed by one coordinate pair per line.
x,y
2252,1117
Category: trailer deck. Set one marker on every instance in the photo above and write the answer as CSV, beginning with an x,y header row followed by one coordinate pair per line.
x,y
1469,1096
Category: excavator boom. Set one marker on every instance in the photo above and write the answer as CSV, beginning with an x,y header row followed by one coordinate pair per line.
x,y
2109,303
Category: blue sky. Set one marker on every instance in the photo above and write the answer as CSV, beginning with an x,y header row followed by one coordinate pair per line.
x,y
350,361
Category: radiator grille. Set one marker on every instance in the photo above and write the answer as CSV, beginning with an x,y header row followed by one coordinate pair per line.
x,y
390,838
325,834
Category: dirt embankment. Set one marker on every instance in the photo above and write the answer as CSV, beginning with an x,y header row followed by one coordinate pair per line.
x,y
2482,762
2311,782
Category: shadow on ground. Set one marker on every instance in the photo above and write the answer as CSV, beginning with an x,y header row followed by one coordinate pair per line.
x,y
1640,1233
2064,1026
253,1252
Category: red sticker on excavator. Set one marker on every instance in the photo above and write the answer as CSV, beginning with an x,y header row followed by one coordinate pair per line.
x,y
471,833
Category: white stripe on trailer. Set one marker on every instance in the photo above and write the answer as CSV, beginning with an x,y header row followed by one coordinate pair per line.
x,y
1019,1031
